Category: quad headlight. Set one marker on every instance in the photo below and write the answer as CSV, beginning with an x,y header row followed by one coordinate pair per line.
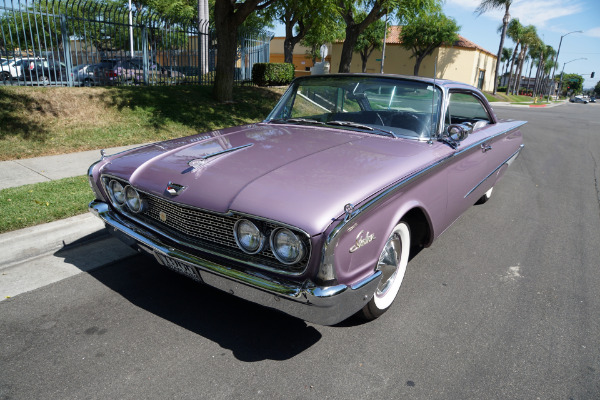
x,y
117,192
287,246
248,237
133,200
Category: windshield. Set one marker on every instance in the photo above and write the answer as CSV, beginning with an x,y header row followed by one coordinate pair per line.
x,y
400,107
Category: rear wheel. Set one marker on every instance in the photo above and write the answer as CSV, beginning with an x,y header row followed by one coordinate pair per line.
x,y
6,77
392,264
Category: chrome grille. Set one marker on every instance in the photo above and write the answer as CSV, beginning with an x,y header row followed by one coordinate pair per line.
x,y
191,222
207,231
203,229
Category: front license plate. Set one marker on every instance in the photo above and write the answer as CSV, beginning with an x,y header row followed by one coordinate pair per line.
x,y
178,266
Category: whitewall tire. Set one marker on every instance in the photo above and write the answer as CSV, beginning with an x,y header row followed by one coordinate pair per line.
x,y
392,264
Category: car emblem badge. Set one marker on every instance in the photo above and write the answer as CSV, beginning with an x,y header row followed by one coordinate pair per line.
x,y
175,189
362,240
163,216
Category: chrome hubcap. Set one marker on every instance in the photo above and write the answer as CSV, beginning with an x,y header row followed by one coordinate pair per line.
x,y
388,263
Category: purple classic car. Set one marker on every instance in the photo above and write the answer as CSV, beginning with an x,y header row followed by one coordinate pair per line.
x,y
315,210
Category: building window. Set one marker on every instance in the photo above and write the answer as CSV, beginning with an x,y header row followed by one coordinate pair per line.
x,y
480,79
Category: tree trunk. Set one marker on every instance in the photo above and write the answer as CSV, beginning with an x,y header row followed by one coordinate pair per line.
x,y
512,64
418,60
226,28
502,36
364,58
352,33
521,59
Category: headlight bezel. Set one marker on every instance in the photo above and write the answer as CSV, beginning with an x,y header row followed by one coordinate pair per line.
x,y
141,203
275,250
262,239
111,191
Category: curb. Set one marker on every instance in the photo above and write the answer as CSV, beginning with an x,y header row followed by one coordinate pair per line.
x,y
27,243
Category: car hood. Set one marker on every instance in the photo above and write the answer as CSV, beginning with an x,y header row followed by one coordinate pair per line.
x,y
299,175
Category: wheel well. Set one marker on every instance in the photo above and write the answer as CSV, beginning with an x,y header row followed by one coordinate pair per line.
x,y
420,229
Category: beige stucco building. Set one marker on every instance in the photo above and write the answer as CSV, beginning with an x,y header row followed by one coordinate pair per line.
x,y
464,61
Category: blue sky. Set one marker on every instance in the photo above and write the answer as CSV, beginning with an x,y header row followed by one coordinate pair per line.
x,y
552,18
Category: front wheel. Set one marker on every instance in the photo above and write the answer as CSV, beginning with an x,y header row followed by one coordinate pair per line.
x,y
392,264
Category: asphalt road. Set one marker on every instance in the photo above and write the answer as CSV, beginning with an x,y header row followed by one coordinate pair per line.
x,y
505,305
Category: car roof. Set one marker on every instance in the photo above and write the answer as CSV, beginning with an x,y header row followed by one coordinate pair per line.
x,y
446,83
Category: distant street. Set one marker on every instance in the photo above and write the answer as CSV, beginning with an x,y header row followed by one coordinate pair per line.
x,y
505,305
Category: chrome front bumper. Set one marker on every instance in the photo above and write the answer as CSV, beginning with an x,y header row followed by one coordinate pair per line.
x,y
324,305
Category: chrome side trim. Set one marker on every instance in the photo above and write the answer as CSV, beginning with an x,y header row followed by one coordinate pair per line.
x,y
218,153
326,269
508,161
325,305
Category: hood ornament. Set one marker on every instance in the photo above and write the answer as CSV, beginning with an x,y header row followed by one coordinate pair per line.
x,y
174,189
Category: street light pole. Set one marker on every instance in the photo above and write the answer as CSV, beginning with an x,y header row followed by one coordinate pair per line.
x,y
556,62
384,40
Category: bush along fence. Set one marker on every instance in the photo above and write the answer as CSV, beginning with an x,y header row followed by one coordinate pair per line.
x,y
94,42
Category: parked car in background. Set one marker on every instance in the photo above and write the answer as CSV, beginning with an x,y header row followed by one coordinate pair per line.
x,y
130,71
13,68
83,75
578,100
46,73
316,210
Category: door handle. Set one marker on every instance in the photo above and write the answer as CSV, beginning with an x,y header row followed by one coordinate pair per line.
x,y
485,147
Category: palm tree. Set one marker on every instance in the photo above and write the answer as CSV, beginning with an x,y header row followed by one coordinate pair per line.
x,y
515,32
528,36
535,51
487,5
506,53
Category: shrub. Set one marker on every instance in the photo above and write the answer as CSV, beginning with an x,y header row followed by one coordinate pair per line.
x,y
272,74
501,89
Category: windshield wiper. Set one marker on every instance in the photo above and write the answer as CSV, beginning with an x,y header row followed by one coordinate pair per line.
x,y
360,126
304,120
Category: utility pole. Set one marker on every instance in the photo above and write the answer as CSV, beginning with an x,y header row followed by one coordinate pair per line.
x,y
556,62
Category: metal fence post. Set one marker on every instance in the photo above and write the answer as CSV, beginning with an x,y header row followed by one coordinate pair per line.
x,y
66,48
145,53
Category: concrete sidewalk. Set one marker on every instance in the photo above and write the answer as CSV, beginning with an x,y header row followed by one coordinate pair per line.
x,y
43,169
40,255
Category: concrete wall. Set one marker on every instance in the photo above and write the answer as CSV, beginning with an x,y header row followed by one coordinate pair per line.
x,y
454,63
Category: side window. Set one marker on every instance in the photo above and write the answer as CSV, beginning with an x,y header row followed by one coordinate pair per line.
x,y
465,107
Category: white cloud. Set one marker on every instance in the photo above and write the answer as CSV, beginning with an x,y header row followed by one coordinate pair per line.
x,y
540,13
594,32
529,12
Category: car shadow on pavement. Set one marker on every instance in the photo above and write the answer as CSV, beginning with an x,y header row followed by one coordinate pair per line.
x,y
252,332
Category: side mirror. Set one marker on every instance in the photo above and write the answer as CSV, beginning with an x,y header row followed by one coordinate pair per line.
x,y
459,132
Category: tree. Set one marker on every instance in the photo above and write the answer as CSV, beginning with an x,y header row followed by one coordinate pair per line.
x,y
529,36
321,34
488,5
535,50
374,10
299,18
506,53
515,32
370,40
573,82
425,33
229,16
597,88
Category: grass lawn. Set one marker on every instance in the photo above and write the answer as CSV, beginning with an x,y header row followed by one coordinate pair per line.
x,y
39,203
36,121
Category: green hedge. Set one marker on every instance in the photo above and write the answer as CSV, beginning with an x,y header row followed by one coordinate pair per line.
x,y
272,74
